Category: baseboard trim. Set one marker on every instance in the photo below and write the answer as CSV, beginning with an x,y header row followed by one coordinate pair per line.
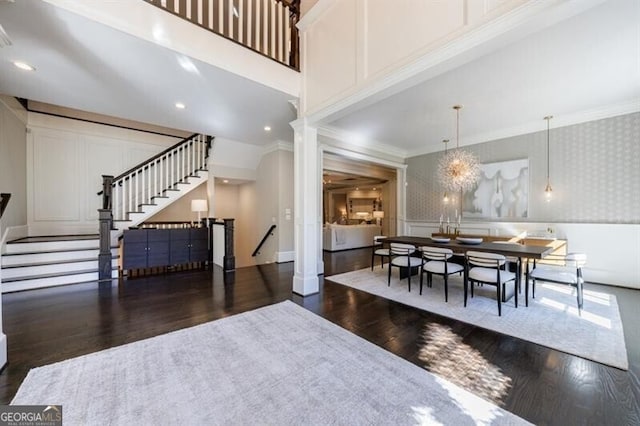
x,y
285,256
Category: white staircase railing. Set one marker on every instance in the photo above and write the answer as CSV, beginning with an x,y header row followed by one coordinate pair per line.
x,y
141,185
265,26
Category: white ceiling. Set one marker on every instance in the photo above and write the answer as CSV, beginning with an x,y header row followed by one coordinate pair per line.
x,y
586,63
84,65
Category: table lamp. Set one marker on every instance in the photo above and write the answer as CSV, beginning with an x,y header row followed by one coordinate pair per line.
x,y
199,206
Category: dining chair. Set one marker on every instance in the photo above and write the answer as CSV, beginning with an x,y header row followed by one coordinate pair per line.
x,y
400,257
561,269
488,268
517,266
378,249
436,262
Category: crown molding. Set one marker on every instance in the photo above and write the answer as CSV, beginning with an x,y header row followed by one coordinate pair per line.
x,y
277,146
624,108
360,156
351,140
525,19
314,14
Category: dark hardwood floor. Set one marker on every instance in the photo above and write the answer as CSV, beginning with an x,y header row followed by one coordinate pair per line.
x,y
542,385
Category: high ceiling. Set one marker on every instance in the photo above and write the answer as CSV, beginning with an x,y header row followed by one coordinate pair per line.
x,y
588,63
572,69
92,67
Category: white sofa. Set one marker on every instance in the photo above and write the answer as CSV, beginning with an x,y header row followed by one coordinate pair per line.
x,y
344,237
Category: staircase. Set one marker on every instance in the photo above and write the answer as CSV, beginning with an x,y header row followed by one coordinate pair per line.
x,y
132,197
36,262
141,192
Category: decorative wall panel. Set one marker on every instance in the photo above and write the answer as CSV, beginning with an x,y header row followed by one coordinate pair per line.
x,y
55,193
594,169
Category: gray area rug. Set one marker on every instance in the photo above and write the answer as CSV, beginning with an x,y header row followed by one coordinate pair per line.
x,y
272,366
551,319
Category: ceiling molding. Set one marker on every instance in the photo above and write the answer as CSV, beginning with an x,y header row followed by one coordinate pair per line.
x,y
359,156
600,113
316,11
353,141
277,146
525,19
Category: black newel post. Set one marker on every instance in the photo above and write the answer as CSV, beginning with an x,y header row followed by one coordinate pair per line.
x,y
104,257
229,260
107,183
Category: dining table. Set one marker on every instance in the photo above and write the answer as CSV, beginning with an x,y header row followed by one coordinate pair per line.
x,y
523,252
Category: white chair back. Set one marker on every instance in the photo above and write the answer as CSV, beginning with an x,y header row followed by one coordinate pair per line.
x,y
485,260
398,249
436,253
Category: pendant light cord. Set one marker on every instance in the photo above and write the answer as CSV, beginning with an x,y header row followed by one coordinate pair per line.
x,y
548,118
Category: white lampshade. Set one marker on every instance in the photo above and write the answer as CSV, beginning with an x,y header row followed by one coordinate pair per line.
x,y
199,205
378,214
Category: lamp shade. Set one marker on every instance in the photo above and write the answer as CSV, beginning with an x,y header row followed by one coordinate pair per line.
x,y
378,214
199,205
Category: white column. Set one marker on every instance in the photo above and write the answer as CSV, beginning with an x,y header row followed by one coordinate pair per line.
x,y
306,194
211,186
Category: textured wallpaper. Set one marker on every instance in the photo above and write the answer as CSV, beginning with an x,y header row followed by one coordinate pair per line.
x,y
594,171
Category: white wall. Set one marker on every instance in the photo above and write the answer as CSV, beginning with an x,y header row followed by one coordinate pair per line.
x,y
247,235
150,23
65,161
274,186
13,174
348,44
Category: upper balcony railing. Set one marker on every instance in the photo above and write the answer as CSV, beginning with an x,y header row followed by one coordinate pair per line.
x,y
265,26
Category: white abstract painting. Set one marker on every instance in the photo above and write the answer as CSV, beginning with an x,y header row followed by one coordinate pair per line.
x,y
501,192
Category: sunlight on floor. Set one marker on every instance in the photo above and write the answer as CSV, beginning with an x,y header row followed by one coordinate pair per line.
x,y
482,412
589,295
445,354
572,310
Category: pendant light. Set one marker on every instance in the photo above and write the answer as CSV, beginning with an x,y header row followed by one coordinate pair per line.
x,y
548,191
458,170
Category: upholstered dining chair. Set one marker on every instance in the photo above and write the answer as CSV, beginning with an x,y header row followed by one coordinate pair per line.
x,y
561,269
488,268
517,266
400,257
378,249
437,263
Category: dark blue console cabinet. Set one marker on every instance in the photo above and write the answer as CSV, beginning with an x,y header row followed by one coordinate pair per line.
x,y
150,248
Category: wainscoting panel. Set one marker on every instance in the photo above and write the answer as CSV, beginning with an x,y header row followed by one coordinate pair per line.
x,y
103,157
396,30
612,250
331,51
66,159
55,199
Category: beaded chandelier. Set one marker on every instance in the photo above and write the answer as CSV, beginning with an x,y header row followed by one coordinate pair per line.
x,y
458,170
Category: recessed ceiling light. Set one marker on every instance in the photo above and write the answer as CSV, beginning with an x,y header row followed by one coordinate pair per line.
x,y
23,66
180,105
267,128
225,181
